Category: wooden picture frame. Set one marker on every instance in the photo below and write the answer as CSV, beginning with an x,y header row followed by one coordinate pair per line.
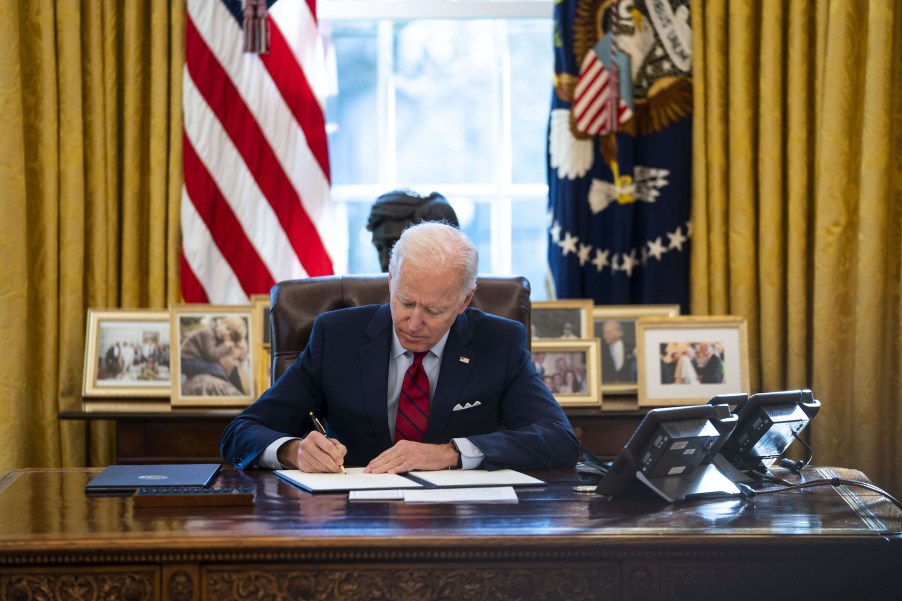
x,y
127,354
555,358
673,370
215,362
622,376
566,319
263,346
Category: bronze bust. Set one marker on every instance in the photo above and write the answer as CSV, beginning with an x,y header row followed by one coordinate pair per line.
x,y
394,211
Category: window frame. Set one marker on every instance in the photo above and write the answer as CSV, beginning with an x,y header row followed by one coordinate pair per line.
x,y
502,193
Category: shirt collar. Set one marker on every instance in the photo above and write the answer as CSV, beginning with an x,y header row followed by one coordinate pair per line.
x,y
397,350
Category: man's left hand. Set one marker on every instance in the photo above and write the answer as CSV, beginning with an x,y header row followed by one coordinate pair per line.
x,y
407,456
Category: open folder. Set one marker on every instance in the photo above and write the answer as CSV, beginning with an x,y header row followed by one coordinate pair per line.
x,y
355,479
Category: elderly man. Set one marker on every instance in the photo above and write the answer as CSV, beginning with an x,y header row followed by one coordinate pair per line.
x,y
422,383
618,359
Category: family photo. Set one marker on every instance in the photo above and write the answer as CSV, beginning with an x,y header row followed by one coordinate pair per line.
x,y
133,354
561,319
127,354
563,373
214,355
692,363
570,369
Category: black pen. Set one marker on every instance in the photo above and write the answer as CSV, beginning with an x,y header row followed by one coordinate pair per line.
x,y
321,430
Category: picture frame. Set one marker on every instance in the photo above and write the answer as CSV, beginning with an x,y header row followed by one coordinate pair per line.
x,y
214,365
555,358
672,348
127,354
620,369
263,347
562,319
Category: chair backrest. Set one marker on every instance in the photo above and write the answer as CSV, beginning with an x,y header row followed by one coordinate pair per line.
x,y
294,304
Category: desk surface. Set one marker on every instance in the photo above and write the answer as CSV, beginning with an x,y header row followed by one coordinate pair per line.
x,y
46,521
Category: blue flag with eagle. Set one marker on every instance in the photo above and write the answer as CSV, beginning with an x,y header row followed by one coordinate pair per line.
x,y
619,151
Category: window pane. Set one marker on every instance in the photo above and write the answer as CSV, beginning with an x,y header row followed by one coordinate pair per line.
x,y
532,67
445,75
362,255
529,244
352,120
475,217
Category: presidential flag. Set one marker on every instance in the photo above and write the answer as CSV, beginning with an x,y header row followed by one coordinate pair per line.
x,y
619,152
255,206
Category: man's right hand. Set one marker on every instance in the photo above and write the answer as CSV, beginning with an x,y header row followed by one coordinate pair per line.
x,y
314,453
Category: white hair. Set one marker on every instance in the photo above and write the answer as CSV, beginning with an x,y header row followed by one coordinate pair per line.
x,y
436,245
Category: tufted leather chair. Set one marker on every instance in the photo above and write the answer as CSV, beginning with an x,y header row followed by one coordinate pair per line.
x,y
294,304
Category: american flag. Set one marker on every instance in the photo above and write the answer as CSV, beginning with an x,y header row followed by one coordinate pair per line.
x,y
255,206
597,107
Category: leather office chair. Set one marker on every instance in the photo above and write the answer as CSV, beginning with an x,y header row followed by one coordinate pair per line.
x,y
294,304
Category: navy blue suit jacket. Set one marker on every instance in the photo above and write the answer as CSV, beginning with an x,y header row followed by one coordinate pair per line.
x,y
342,376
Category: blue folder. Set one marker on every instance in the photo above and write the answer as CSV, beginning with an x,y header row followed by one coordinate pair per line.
x,y
129,478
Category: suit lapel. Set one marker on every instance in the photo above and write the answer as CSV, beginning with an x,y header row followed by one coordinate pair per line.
x,y
456,364
375,353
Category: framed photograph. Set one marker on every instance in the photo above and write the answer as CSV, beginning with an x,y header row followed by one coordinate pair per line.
x,y
615,327
688,360
213,365
263,347
567,319
570,370
127,353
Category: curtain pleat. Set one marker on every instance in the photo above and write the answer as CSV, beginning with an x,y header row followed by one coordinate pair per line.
x,y
708,290
772,228
795,337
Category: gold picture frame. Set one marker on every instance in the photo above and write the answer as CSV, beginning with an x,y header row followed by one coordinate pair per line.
x,y
554,359
622,378
263,347
566,319
127,354
215,362
680,359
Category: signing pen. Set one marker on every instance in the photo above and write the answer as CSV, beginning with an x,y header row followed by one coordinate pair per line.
x,y
321,430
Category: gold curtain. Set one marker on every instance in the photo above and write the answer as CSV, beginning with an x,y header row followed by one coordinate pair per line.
x,y
797,207
90,180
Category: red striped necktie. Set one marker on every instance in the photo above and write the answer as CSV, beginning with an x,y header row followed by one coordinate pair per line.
x,y
413,405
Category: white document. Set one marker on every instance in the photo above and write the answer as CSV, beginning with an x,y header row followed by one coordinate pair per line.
x,y
354,479
376,495
446,478
483,494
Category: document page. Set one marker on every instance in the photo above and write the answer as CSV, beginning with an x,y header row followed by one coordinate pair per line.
x,y
485,494
450,478
354,479
376,495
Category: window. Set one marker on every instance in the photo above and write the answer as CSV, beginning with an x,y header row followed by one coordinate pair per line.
x,y
451,97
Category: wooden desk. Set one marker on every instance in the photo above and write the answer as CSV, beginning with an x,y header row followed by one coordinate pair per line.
x,y
192,435
817,543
